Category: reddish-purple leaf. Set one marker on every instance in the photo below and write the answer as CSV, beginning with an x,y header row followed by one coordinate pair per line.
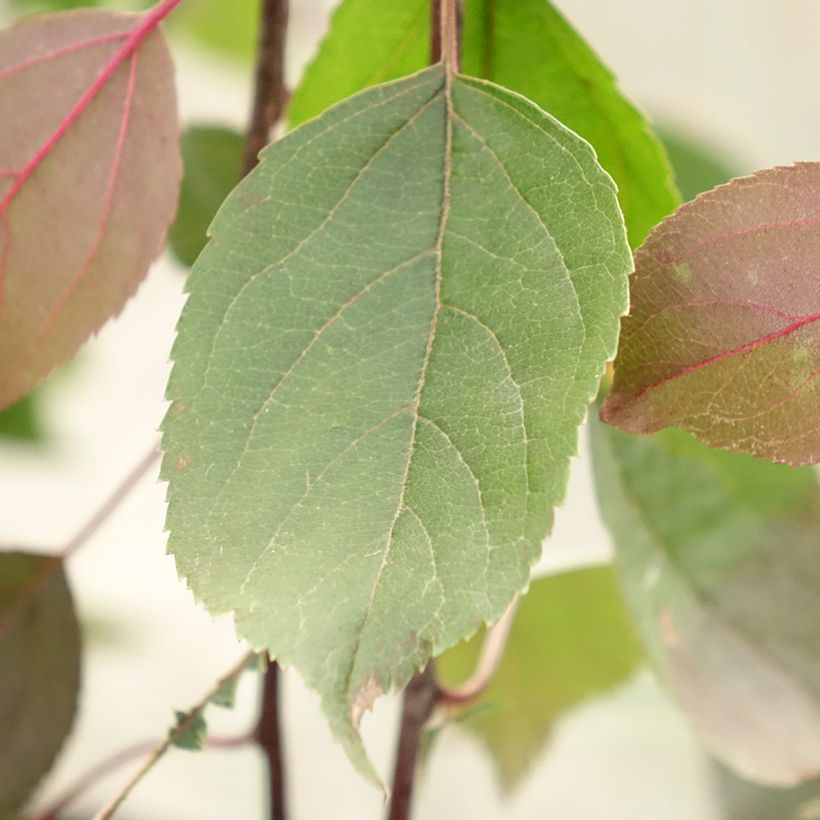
x,y
89,173
723,337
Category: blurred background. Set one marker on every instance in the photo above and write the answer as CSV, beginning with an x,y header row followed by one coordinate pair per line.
x,y
731,84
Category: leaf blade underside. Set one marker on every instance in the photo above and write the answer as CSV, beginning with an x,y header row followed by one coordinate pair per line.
x,y
388,345
88,179
723,338
717,552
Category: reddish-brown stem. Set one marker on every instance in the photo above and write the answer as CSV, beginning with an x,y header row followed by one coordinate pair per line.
x,y
419,700
120,758
270,93
269,99
91,526
268,735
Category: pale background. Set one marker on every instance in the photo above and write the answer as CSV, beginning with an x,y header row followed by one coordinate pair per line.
x,y
739,74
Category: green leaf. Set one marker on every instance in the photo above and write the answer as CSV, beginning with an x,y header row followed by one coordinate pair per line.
x,y
697,167
19,421
743,800
39,671
571,639
398,42
229,28
388,345
524,45
718,553
212,159
190,731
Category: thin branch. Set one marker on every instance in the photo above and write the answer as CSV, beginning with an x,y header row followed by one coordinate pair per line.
x,y
180,728
268,735
112,763
270,93
419,700
88,529
491,653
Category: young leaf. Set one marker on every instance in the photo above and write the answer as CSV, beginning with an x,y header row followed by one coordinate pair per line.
x,y
88,178
388,345
212,158
723,337
571,639
718,553
398,43
190,731
524,45
39,671
528,46
19,421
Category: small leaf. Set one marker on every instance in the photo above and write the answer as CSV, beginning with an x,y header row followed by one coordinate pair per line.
x,y
524,45
723,337
88,179
571,639
39,671
697,167
718,553
212,159
528,46
388,345
190,731
398,43
19,421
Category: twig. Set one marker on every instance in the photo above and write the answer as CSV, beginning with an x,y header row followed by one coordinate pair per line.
x,y
419,700
268,735
269,100
110,764
491,651
111,503
270,93
181,726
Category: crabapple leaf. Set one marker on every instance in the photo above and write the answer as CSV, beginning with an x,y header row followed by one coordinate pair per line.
x,y
723,334
88,179
572,639
718,554
524,45
388,345
39,670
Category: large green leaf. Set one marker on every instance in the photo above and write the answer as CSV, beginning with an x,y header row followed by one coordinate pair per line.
x,y
572,638
719,557
39,670
19,420
388,345
525,45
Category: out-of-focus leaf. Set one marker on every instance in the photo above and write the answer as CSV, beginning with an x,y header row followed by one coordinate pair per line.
x,y
388,346
524,45
571,639
718,552
88,179
226,27
19,421
212,159
39,671
696,167
744,800
190,732
723,337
